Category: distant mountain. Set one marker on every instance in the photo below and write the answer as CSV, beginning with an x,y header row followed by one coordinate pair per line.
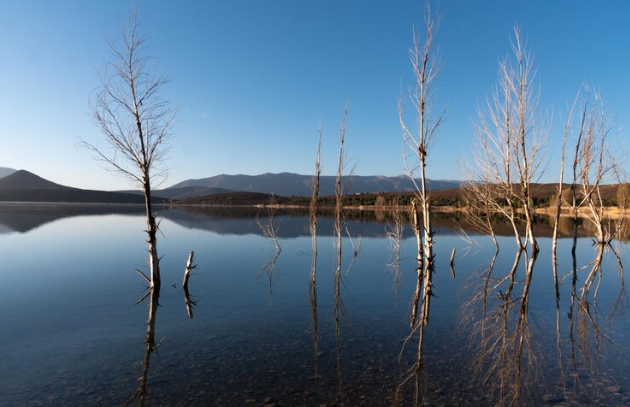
x,y
288,184
27,180
24,186
6,171
181,193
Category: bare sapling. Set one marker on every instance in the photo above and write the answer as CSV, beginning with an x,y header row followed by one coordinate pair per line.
x,y
315,197
136,123
595,163
313,277
558,200
340,190
268,229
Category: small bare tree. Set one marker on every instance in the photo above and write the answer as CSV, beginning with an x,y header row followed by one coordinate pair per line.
x,y
558,201
313,228
594,162
136,123
340,189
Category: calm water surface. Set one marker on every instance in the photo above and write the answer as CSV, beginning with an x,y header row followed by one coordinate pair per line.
x,y
73,334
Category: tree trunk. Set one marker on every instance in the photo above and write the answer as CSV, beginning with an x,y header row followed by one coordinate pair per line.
x,y
154,259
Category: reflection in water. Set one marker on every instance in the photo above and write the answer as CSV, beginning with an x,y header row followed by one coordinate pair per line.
x,y
141,394
524,351
588,337
510,359
395,231
269,230
506,356
420,300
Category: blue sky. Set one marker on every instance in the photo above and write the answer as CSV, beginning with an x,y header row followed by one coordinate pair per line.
x,y
254,78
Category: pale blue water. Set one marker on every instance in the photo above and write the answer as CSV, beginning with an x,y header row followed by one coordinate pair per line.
x,y
72,335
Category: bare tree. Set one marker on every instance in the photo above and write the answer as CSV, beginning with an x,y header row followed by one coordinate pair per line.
x,y
558,201
340,189
136,123
426,66
513,133
417,144
313,277
594,162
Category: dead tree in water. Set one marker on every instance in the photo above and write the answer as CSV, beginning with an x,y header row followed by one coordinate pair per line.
x,y
270,230
339,310
417,145
340,189
136,122
426,66
513,135
313,229
594,163
314,204
189,267
554,244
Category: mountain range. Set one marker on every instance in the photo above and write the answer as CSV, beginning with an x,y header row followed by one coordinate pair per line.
x,y
28,187
289,184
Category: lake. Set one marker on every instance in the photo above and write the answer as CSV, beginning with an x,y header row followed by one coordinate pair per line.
x,y
76,331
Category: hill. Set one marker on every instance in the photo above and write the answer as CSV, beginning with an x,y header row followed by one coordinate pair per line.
x,y
24,186
6,171
289,184
26,180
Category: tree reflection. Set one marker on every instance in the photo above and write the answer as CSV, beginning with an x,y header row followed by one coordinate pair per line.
x,y
141,394
506,355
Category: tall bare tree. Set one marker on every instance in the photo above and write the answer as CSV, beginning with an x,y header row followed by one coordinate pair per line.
x,y
136,123
426,67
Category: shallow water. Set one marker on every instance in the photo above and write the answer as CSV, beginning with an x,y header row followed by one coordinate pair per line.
x,y
73,335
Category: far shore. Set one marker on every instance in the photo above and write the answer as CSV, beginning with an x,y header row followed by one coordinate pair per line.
x,y
610,212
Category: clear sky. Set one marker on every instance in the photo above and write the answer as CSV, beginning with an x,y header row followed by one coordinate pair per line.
x,y
253,78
